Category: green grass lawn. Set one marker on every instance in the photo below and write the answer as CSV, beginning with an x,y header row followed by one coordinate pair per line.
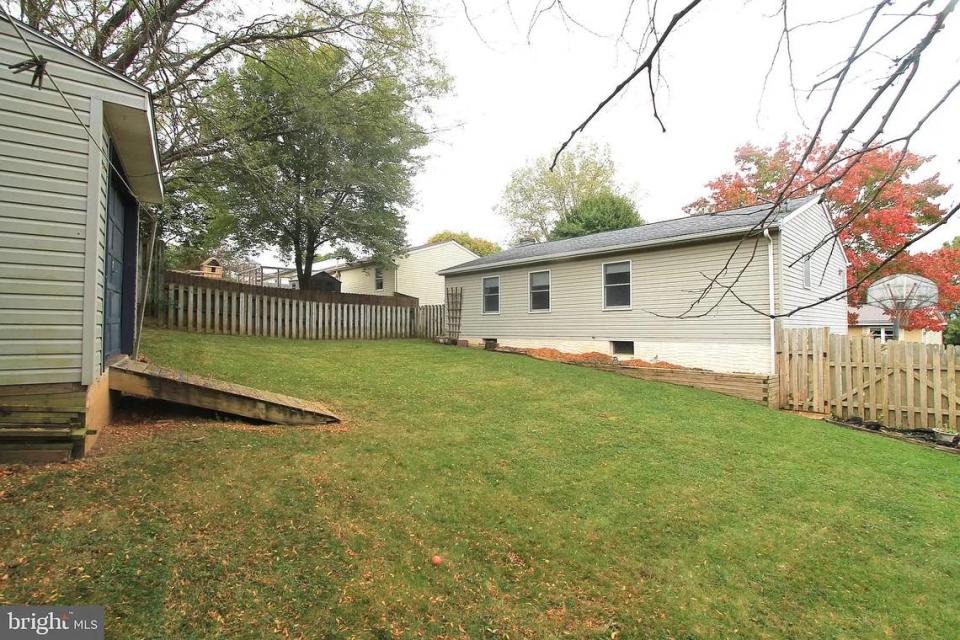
x,y
563,500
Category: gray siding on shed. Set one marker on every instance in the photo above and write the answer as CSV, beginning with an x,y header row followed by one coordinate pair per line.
x,y
45,212
665,281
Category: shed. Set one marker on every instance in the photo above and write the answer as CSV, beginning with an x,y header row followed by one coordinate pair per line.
x,y
325,282
73,168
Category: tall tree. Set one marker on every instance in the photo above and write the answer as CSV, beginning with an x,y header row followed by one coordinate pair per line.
x,y
600,212
878,204
317,158
177,48
537,198
951,333
479,246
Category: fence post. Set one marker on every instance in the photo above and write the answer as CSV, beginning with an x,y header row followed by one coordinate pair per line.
x,y
952,388
170,294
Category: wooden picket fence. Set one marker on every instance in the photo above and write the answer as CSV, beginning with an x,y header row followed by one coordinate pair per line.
x,y
901,385
284,314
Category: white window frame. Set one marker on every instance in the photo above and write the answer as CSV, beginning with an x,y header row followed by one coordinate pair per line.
x,y
806,278
383,278
603,286
549,308
883,331
483,296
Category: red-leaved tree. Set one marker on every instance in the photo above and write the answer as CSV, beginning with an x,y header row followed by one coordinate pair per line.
x,y
878,204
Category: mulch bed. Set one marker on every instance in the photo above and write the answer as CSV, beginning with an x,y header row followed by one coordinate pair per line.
x,y
591,357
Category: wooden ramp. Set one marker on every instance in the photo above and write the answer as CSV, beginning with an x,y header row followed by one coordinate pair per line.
x,y
150,381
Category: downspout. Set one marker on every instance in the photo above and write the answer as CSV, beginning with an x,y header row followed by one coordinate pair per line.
x,y
773,303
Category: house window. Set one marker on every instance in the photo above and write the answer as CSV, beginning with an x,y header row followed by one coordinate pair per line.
x,y
378,278
881,333
491,294
616,285
621,347
806,272
540,291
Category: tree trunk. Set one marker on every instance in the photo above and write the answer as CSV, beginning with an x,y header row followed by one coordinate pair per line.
x,y
305,272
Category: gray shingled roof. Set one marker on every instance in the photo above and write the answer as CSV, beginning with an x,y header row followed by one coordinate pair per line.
x,y
870,315
663,232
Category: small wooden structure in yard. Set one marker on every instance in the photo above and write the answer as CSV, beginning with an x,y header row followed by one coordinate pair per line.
x,y
211,268
145,380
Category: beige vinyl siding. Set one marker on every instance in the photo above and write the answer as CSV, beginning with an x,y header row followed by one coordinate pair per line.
x,y
828,275
361,280
76,77
664,282
44,230
417,272
414,275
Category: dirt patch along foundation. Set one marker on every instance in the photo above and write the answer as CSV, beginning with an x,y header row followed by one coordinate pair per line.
x,y
592,357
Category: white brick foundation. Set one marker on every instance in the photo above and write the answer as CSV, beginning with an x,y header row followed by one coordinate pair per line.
x,y
729,357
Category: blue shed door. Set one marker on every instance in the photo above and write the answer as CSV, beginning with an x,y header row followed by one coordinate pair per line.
x,y
113,275
119,271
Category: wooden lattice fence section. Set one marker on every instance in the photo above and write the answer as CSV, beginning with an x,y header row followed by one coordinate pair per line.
x,y
898,384
454,312
230,308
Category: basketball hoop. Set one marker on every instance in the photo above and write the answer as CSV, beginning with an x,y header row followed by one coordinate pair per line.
x,y
902,293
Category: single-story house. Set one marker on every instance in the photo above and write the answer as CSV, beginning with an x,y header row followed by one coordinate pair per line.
x,y
624,292
870,320
71,176
413,274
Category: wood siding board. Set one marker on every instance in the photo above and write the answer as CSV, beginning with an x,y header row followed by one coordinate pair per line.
x,y
952,388
937,361
922,404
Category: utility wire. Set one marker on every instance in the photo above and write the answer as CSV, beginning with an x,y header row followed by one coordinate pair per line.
x,y
42,65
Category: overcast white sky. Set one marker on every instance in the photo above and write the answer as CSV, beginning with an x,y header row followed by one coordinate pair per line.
x,y
514,100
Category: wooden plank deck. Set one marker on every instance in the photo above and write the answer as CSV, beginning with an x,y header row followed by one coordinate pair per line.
x,y
42,422
150,381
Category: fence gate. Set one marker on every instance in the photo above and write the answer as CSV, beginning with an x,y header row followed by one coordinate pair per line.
x,y
898,384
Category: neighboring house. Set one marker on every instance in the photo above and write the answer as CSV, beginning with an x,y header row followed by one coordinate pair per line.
x,y
875,322
621,292
68,237
413,274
